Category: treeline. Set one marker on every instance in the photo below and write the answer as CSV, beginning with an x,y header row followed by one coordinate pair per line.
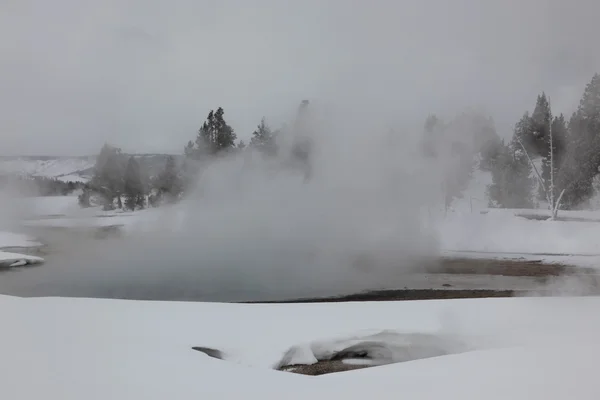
x,y
560,157
549,158
123,182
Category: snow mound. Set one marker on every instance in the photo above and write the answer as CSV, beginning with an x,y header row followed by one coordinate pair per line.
x,y
385,347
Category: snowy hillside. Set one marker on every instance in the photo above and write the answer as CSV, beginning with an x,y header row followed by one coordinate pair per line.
x,y
76,169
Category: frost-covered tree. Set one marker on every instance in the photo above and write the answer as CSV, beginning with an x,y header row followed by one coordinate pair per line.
x,y
552,158
108,178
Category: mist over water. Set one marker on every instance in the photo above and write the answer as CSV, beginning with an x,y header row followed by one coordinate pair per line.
x,y
254,228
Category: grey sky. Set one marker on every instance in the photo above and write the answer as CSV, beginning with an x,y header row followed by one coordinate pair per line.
x,y
144,74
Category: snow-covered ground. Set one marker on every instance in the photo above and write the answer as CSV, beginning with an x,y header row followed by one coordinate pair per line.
x,y
503,233
519,348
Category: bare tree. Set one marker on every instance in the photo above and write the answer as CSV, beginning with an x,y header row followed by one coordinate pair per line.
x,y
549,192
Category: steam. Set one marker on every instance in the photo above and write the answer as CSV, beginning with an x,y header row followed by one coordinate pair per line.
x,y
253,227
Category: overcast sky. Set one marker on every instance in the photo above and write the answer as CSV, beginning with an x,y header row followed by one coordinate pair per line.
x,y
143,74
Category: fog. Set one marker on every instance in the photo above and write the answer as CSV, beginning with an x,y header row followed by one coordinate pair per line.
x,y
255,228
143,74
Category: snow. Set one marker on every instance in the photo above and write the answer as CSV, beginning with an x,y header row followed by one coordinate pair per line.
x,y
17,260
507,235
64,168
56,348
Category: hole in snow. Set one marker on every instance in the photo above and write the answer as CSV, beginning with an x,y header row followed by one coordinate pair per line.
x,y
356,352
214,353
387,347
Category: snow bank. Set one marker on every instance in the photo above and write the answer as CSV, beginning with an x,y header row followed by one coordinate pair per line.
x,y
98,349
17,260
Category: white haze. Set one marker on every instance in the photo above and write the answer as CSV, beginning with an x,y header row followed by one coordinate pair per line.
x,y
144,74
253,228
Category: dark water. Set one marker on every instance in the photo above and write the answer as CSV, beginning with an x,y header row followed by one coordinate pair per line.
x,y
53,279
74,276
77,265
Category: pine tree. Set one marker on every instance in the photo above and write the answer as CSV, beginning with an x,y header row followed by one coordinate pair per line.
x,y
512,183
540,137
490,151
214,136
583,147
169,183
263,139
133,188
523,132
540,124
189,150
